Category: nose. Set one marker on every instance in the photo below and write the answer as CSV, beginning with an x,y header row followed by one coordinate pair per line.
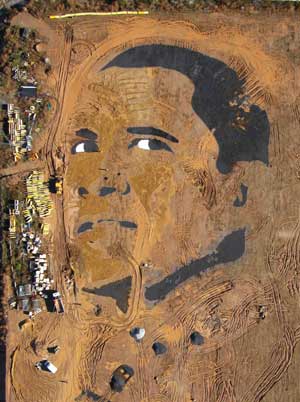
x,y
113,183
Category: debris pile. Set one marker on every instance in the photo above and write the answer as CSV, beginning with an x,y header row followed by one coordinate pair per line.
x,y
19,139
38,198
27,300
28,258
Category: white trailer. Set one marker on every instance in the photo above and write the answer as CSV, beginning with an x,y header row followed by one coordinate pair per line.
x,y
49,366
46,365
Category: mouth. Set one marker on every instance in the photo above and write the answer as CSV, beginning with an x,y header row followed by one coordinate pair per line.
x,y
88,226
123,224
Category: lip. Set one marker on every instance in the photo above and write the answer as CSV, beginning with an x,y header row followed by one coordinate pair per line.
x,y
88,226
85,227
125,224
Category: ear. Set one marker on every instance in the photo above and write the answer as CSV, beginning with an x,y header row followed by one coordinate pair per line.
x,y
223,185
201,169
208,146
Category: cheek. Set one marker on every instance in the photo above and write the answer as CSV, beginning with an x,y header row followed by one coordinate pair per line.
x,y
154,187
83,169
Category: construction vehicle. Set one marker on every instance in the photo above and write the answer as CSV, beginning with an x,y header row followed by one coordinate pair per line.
x,y
58,186
45,227
55,185
32,156
58,303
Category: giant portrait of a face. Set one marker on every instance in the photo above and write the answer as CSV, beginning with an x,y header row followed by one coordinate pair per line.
x,y
160,143
175,241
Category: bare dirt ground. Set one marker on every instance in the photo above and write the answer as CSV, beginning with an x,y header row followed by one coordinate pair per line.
x,y
221,262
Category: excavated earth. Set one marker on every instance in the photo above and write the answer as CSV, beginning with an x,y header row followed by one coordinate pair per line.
x,y
179,212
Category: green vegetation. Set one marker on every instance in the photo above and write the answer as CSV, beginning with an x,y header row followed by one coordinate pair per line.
x,y
12,249
18,53
4,246
44,8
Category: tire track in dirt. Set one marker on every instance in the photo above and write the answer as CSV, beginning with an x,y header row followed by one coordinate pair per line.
x,y
11,371
271,287
169,30
185,317
142,380
276,143
61,255
240,320
60,94
278,363
253,87
46,330
295,108
203,299
290,255
96,338
221,389
276,139
243,317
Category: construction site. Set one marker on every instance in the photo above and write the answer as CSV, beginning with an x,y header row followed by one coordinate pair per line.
x,y
153,241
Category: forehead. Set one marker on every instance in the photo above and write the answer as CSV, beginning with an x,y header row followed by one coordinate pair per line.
x,y
144,95
158,78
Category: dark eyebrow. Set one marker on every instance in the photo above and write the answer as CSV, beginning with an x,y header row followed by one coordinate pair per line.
x,y
151,131
86,133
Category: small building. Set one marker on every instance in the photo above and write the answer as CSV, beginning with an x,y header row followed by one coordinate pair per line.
x,y
28,91
25,304
32,265
24,33
36,306
25,290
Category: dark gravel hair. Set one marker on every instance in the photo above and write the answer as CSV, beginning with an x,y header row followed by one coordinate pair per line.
x,y
217,100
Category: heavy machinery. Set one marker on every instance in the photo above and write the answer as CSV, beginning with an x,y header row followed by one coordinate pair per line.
x,y
58,303
32,156
58,186
55,185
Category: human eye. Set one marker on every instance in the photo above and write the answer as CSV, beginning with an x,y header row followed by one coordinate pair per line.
x,y
84,146
150,144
